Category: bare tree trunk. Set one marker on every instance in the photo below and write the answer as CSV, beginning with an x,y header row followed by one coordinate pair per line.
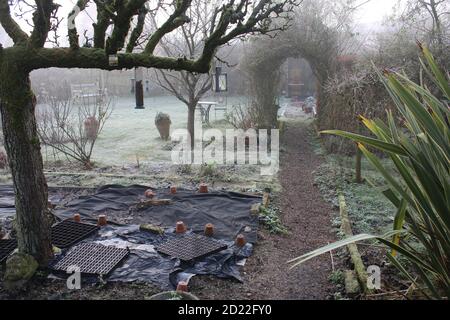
x,y
191,123
17,105
437,23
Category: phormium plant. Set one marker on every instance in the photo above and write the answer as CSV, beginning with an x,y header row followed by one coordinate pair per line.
x,y
420,151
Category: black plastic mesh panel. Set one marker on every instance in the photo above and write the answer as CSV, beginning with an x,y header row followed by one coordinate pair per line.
x,y
190,247
6,248
92,259
69,232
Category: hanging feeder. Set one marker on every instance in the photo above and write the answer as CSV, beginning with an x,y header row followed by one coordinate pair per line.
x,y
220,81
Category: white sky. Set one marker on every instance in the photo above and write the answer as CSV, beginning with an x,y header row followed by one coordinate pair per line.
x,y
374,11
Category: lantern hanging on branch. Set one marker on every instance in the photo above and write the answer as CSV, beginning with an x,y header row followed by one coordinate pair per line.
x,y
220,81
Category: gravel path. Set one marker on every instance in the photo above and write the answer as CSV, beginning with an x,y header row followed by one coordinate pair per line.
x,y
307,216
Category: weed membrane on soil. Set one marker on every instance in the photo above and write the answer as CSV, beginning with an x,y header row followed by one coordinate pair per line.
x,y
229,212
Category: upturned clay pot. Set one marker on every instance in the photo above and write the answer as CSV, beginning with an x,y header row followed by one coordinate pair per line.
x,y
91,126
203,188
149,194
240,241
209,230
102,220
182,286
181,227
163,123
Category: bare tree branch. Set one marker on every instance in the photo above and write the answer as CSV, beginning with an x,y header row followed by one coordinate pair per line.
x,y
230,20
176,20
72,32
11,27
41,19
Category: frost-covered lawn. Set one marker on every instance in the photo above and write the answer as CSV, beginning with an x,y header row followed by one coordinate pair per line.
x,y
131,134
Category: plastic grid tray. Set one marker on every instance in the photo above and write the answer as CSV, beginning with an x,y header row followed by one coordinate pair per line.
x,y
190,247
93,259
69,232
6,248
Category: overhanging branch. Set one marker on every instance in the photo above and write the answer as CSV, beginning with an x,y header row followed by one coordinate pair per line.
x,y
93,58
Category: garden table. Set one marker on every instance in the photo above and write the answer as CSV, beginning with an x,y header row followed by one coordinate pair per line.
x,y
205,109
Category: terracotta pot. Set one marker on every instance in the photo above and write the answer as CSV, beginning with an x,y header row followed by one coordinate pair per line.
x,y
181,227
209,230
203,188
149,194
163,127
3,160
182,287
102,220
91,127
240,241
77,217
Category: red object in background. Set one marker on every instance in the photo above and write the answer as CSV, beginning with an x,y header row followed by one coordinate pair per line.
x,y
181,227
209,230
91,127
3,160
182,286
149,194
203,188
77,217
102,220
240,241
173,190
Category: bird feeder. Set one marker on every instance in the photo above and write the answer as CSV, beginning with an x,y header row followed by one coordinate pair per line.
x,y
220,81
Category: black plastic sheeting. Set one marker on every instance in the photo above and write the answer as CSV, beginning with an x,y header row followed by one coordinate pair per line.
x,y
229,212
7,206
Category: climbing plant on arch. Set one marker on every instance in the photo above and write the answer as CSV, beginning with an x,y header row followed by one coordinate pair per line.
x,y
314,35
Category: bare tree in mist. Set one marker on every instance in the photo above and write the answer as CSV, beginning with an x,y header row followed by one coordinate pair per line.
x,y
188,87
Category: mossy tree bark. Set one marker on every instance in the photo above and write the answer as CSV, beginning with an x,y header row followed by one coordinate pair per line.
x,y
17,105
